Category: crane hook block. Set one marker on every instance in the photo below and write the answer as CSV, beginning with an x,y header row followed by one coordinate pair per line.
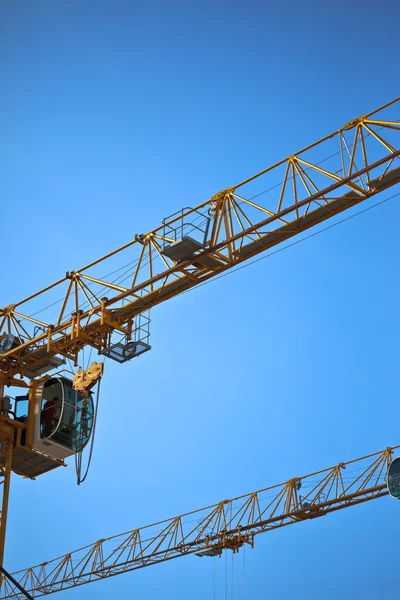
x,y
85,380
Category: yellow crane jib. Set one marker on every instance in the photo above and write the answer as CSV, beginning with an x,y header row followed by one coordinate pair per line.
x,y
221,527
110,313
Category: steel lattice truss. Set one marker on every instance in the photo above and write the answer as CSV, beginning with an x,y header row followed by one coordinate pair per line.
x,y
87,307
211,530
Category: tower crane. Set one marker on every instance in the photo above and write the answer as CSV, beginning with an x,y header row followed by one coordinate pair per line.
x,y
210,531
106,306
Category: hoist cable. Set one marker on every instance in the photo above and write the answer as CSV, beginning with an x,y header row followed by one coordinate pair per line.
x,y
79,454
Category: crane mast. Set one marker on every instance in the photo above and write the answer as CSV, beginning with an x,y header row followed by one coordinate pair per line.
x,y
210,531
106,304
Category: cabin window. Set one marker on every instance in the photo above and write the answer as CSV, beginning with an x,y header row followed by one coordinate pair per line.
x,y
51,408
66,418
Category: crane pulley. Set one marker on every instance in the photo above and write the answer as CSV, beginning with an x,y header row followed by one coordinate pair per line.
x,y
85,380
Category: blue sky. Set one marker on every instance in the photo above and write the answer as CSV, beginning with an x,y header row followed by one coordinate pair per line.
x,y
116,114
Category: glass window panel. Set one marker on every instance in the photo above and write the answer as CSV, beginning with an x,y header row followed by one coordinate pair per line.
x,y
51,408
69,425
394,478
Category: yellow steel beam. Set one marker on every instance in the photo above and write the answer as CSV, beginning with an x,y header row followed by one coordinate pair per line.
x,y
6,448
226,525
363,163
5,480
